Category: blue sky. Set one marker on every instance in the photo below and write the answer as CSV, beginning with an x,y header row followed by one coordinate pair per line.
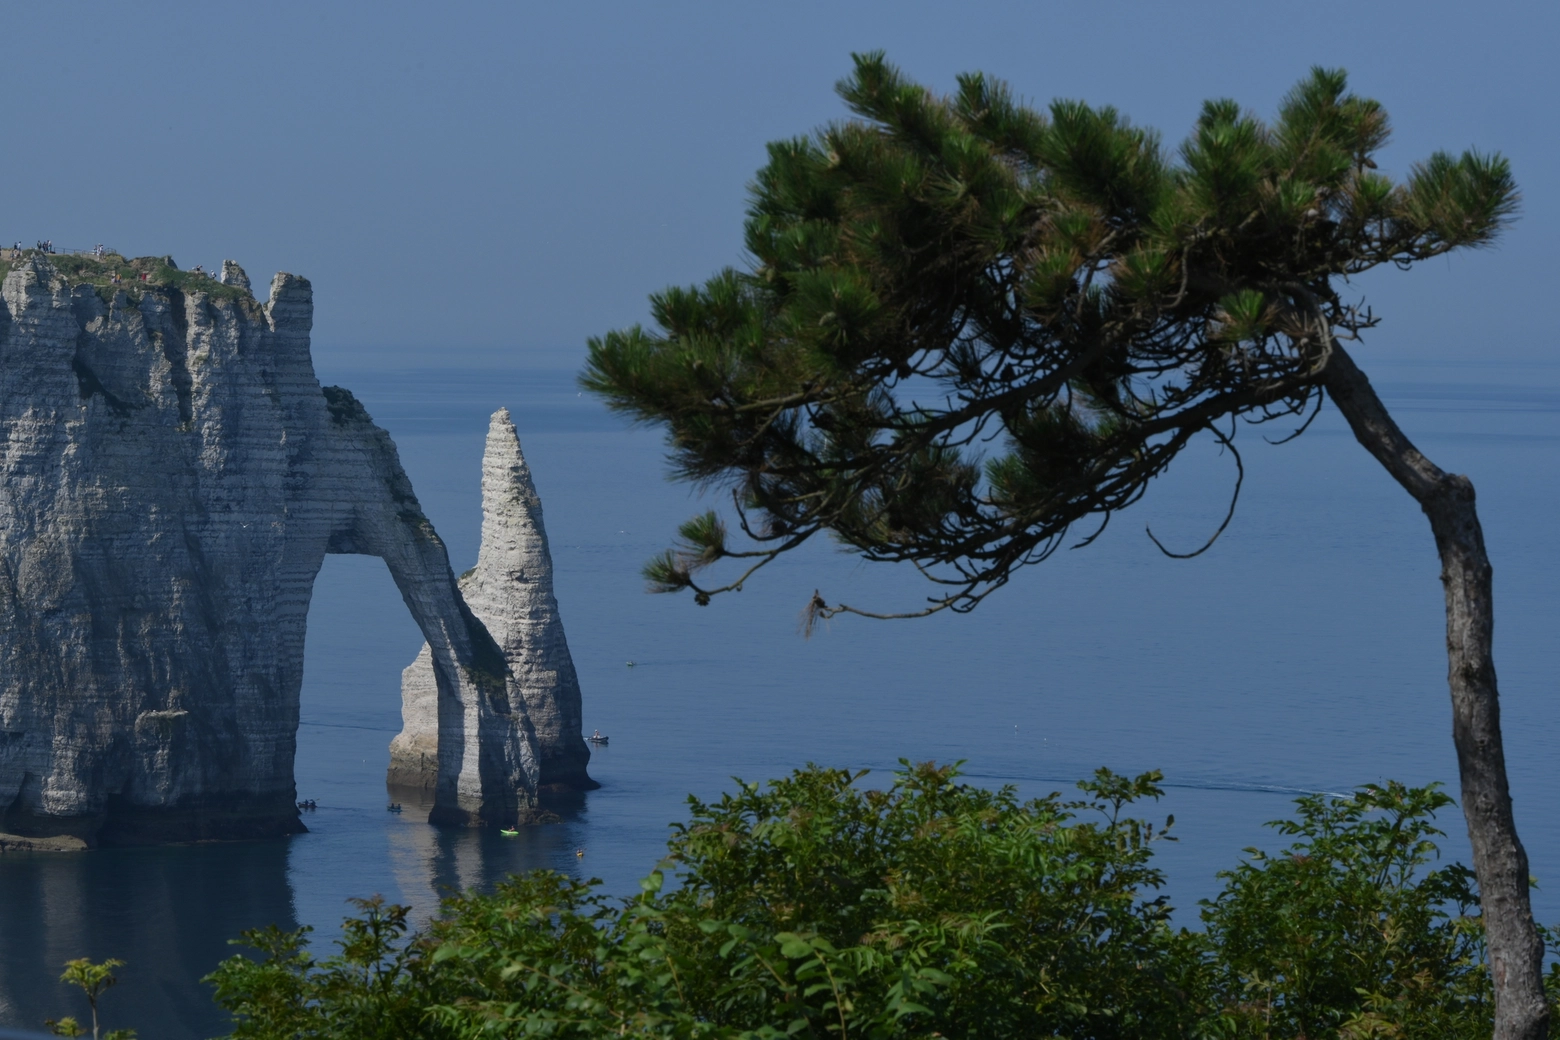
x,y
500,181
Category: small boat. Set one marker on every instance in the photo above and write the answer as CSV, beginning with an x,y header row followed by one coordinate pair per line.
x,y
508,834
393,807
597,738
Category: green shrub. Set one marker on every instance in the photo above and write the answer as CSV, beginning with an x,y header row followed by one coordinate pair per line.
x,y
1345,933
815,907
812,907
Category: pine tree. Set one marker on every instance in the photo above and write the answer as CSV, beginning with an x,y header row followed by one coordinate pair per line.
x,y
942,275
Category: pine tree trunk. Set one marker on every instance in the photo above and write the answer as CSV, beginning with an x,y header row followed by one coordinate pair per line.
x,y
1515,951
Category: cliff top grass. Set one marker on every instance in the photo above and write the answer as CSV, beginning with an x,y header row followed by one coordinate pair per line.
x,y
160,271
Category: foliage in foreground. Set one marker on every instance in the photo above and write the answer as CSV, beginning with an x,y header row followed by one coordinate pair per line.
x,y
815,908
93,980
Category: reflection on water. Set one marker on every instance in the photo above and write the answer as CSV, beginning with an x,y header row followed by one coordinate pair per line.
x,y
170,912
432,862
167,912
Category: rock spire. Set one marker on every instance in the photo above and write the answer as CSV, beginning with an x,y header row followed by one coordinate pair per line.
x,y
511,591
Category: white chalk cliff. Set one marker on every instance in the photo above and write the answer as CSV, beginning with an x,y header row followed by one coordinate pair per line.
x,y
511,591
171,478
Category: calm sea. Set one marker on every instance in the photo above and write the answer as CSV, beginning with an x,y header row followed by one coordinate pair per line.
x,y
1303,653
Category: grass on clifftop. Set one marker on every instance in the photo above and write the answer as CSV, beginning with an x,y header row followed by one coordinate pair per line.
x,y
160,271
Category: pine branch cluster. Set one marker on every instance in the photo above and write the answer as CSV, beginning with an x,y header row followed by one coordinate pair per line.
x,y
969,326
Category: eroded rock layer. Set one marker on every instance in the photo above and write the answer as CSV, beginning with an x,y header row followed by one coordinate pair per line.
x,y
171,477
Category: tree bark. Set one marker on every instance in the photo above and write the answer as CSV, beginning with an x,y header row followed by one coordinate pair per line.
x,y
1515,950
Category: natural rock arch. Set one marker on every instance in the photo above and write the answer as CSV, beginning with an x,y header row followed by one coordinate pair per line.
x,y
171,478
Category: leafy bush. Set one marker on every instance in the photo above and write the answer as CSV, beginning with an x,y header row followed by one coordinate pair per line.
x,y
815,907
812,907
1345,934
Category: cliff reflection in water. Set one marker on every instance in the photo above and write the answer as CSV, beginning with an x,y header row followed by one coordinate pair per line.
x,y
429,863
168,912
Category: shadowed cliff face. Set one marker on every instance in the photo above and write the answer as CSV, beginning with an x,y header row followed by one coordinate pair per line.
x,y
171,477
